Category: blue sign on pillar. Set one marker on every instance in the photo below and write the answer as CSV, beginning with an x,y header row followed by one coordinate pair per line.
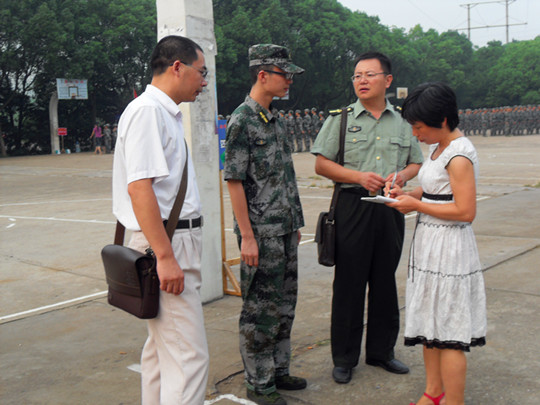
x,y
222,131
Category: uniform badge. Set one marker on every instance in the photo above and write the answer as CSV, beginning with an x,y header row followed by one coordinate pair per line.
x,y
263,116
355,129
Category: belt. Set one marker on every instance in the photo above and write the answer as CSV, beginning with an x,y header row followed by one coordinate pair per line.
x,y
361,191
438,197
188,223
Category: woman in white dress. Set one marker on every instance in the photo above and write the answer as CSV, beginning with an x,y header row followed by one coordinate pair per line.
x,y
446,310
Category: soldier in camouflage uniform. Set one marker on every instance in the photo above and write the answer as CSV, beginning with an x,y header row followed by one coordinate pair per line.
x,y
268,215
308,128
290,129
314,122
319,123
299,131
282,119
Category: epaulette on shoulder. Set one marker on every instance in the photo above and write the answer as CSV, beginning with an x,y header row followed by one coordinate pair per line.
x,y
397,108
339,110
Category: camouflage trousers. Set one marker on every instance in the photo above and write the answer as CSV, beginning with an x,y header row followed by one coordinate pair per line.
x,y
269,294
299,142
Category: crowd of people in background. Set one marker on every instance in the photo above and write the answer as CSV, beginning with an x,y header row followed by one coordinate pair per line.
x,y
509,121
103,141
303,126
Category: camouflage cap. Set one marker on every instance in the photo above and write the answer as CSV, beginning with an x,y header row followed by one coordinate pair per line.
x,y
269,54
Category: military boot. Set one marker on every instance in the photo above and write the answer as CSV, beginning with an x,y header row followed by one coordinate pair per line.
x,y
259,398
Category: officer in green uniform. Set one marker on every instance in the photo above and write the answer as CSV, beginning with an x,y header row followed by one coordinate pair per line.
x,y
369,237
268,215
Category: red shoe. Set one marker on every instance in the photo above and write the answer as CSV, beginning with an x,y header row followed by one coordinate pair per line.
x,y
436,401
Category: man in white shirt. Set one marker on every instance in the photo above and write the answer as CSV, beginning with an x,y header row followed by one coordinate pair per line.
x,y
149,159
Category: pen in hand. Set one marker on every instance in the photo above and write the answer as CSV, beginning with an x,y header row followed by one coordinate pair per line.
x,y
393,182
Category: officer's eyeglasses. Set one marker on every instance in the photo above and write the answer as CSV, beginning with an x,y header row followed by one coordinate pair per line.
x,y
367,75
287,76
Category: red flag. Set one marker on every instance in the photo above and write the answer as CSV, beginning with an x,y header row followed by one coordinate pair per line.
x,y
134,94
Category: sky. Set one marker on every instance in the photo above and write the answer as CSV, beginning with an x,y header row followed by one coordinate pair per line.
x,y
444,15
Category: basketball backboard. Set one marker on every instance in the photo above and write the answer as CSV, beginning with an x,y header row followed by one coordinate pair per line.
x,y
72,89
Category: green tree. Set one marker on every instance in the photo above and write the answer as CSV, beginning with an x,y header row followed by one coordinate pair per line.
x,y
516,75
107,43
323,36
480,75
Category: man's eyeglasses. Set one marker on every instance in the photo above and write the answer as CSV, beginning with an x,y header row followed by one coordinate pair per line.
x,y
287,76
203,72
367,75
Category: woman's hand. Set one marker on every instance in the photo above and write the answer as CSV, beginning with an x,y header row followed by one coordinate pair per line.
x,y
392,192
405,203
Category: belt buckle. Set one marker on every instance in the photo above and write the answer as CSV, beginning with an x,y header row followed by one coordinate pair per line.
x,y
191,221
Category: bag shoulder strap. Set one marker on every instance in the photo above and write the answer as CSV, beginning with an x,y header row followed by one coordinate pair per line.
x,y
175,211
342,130
340,160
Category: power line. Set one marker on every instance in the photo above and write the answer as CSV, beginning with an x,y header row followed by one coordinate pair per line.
x,y
471,5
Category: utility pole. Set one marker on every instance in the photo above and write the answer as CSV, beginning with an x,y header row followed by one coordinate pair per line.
x,y
468,6
195,20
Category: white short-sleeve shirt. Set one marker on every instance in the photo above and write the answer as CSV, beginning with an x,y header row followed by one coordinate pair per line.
x,y
150,145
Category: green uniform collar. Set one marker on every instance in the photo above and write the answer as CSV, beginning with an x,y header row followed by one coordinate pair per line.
x,y
358,108
264,115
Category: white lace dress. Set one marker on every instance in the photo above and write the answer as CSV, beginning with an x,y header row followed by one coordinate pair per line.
x,y
446,300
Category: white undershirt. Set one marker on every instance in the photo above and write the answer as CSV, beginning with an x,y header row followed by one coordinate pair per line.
x,y
150,145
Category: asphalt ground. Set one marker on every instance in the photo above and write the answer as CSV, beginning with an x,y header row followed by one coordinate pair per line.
x,y
61,343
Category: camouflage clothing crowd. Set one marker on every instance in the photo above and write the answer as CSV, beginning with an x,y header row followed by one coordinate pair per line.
x,y
509,121
302,129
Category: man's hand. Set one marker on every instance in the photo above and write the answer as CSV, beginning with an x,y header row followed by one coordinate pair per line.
x,y
249,251
371,181
400,180
171,276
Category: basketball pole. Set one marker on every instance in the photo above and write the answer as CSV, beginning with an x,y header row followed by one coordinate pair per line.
x,y
53,122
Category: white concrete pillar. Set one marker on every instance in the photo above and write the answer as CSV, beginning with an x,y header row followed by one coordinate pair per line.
x,y
53,122
195,19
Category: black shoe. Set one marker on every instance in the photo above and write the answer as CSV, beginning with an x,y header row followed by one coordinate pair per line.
x,y
342,375
393,366
265,399
291,383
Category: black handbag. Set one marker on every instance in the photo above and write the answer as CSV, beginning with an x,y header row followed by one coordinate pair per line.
x,y
132,279
132,275
325,233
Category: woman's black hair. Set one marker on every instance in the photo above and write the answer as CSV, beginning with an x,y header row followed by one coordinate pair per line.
x,y
431,103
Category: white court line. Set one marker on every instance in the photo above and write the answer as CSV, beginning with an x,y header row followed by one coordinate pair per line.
x,y
52,307
232,398
135,367
55,202
89,221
